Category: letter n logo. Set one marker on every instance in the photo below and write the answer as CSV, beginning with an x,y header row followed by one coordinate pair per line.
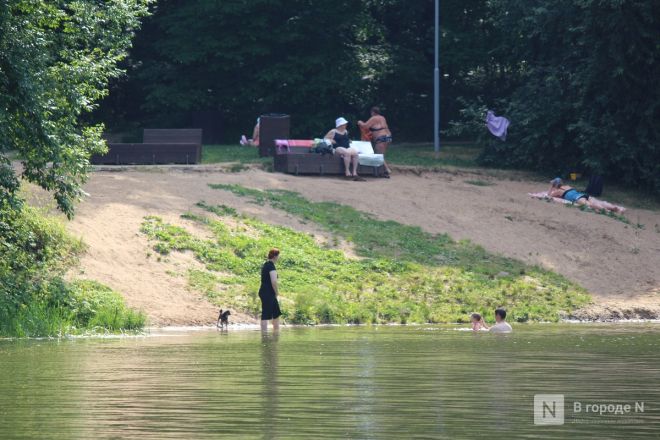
x,y
548,409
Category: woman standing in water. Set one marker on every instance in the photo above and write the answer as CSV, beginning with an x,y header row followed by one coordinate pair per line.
x,y
270,308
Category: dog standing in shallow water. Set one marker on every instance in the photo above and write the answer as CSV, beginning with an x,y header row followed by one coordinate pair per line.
x,y
223,319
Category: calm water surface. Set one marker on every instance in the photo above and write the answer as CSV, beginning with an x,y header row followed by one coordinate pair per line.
x,y
339,382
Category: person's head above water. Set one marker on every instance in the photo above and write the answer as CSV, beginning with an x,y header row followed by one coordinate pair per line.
x,y
475,317
556,182
273,254
500,315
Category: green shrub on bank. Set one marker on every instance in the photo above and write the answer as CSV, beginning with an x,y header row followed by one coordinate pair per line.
x,y
408,276
95,306
35,252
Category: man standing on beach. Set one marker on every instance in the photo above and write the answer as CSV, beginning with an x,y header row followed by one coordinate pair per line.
x,y
501,326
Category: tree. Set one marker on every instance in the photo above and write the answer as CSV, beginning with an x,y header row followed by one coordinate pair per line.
x,y
312,59
241,59
581,87
406,46
56,58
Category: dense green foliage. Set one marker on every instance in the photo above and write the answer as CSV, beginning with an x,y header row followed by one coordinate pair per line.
x,y
94,307
579,86
576,77
411,276
313,60
243,58
56,59
35,251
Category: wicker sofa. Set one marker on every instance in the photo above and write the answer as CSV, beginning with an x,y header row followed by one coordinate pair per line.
x,y
295,157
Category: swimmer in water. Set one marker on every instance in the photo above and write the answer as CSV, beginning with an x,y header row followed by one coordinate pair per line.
x,y
478,322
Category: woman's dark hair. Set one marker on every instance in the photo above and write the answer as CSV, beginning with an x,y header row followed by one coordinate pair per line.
x,y
273,253
501,313
375,110
476,316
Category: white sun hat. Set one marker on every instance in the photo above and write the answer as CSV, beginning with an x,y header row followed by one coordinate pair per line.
x,y
340,121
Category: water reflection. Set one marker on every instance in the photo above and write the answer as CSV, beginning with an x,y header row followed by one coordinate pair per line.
x,y
404,382
270,395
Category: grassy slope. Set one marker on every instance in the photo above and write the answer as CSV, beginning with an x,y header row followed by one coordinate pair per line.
x,y
404,274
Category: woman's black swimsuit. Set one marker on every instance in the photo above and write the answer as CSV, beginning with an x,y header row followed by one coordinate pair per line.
x,y
270,307
342,140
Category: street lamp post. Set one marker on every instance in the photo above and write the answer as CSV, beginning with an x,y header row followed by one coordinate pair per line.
x,y
436,85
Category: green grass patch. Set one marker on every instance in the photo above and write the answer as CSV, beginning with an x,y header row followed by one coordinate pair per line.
x,y
233,153
453,154
373,238
81,307
404,275
423,155
95,307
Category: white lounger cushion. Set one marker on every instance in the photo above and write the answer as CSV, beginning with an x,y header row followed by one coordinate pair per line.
x,y
371,160
362,147
366,156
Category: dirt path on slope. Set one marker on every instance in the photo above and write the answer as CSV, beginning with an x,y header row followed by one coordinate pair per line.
x,y
618,263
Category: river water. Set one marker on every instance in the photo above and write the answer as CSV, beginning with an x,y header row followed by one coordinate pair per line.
x,y
393,382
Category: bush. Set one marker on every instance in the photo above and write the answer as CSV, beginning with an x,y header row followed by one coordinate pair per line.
x,y
35,252
94,305
582,93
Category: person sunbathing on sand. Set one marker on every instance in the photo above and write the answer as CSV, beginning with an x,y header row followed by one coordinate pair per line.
x,y
566,192
254,142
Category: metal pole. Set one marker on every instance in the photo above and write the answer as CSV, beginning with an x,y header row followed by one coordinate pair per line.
x,y
436,85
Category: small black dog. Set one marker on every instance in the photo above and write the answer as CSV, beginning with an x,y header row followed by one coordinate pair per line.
x,y
223,319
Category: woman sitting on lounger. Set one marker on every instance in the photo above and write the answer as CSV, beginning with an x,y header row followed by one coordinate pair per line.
x,y
342,143
561,191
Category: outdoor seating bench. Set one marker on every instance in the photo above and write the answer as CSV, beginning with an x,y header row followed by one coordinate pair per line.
x,y
160,146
